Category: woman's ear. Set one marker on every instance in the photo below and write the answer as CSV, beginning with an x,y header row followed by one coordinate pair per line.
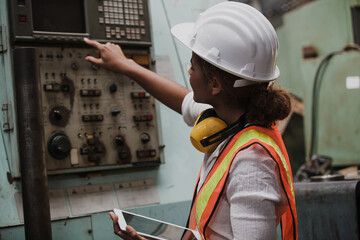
x,y
215,85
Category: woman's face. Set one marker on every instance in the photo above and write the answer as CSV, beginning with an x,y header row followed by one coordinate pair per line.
x,y
198,82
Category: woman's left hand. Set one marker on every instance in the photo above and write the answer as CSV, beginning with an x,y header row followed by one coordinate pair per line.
x,y
130,233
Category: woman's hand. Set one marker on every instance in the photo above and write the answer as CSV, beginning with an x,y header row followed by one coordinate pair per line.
x,y
110,56
130,233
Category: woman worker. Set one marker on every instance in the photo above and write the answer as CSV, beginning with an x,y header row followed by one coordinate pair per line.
x,y
245,187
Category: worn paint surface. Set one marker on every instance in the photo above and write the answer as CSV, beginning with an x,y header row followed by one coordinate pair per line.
x,y
328,210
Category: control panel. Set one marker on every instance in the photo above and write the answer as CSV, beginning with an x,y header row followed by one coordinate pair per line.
x,y
123,19
94,117
43,21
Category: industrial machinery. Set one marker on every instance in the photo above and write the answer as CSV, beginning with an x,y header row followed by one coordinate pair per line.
x,y
100,141
319,59
92,117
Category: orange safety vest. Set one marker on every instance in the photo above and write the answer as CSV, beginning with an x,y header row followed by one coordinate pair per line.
x,y
206,200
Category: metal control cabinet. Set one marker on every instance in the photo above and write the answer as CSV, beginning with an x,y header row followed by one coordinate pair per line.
x,y
92,116
93,119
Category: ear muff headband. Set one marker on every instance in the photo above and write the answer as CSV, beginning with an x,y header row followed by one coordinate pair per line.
x,y
209,130
210,112
221,135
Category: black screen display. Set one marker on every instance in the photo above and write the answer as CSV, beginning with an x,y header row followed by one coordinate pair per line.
x,y
59,16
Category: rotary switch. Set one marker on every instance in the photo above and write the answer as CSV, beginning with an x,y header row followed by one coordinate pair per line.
x,y
113,88
145,138
119,141
74,66
59,146
59,116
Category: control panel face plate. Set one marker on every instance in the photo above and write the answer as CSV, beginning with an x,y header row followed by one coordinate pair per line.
x,y
42,21
94,117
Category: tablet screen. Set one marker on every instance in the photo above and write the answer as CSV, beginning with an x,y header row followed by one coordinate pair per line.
x,y
158,229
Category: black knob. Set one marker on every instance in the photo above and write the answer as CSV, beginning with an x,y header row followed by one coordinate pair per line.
x,y
119,140
94,67
59,146
113,88
74,67
145,138
57,115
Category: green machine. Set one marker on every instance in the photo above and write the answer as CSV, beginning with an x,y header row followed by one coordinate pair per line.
x,y
320,64
319,60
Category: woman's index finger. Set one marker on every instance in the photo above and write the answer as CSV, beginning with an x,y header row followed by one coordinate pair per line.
x,y
93,43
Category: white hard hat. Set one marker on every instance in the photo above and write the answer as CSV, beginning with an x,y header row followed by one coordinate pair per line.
x,y
236,38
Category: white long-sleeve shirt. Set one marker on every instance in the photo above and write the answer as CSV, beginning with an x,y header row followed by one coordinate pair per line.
x,y
247,208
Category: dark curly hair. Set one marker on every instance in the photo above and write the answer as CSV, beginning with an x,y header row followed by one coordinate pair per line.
x,y
265,104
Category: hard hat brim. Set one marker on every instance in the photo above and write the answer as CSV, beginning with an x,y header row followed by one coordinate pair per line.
x,y
182,32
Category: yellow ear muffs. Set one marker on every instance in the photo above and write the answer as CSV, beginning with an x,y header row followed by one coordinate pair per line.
x,y
206,125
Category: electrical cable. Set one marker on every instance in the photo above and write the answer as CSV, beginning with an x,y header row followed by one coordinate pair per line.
x,y
314,106
175,46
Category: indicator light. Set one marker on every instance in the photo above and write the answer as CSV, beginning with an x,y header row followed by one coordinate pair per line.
x,y
22,18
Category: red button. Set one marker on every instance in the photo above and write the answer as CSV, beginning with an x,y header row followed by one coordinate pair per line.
x,y
22,18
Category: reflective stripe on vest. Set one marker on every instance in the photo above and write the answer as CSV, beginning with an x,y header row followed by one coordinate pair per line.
x,y
211,191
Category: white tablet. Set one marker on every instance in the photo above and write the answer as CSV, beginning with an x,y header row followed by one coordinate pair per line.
x,y
154,229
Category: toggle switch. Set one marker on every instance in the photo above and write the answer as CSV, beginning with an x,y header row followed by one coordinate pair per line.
x,y
115,112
